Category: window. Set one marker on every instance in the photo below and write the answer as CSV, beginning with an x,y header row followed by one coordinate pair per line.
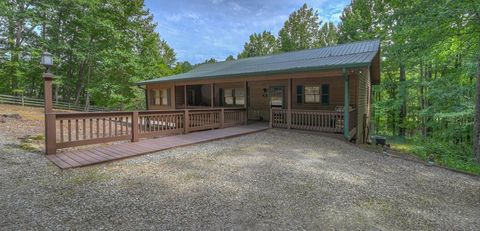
x,y
239,96
234,96
312,94
159,97
325,94
228,94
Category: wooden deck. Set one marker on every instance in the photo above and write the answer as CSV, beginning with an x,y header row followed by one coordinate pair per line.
x,y
89,156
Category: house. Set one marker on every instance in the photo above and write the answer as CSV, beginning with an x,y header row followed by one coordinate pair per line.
x,y
326,89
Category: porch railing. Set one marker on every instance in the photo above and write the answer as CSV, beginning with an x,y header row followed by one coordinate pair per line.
x,y
325,121
75,129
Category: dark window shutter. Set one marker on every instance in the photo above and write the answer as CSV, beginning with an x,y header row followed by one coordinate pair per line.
x,y
325,94
220,97
300,91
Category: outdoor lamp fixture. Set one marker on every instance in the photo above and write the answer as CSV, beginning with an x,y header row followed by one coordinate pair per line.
x,y
265,94
47,61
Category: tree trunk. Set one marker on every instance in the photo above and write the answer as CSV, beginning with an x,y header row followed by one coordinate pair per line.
x,y
476,140
422,99
403,98
80,83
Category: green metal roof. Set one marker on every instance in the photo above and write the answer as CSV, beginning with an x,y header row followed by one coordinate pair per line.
x,y
357,54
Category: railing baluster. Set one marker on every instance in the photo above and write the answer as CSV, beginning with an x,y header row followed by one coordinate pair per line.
x,y
98,127
76,129
91,128
84,129
103,119
61,131
109,126
69,131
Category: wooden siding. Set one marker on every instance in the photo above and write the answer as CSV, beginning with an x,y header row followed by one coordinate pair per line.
x,y
259,103
363,106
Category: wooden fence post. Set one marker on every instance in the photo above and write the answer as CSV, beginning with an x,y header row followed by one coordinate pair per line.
x,y
186,123
23,100
50,133
50,128
135,136
222,118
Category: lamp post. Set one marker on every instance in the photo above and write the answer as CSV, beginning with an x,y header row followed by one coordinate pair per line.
x,y
47,61
50,136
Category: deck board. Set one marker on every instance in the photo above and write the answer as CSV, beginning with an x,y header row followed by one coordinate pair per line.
x,y
89,156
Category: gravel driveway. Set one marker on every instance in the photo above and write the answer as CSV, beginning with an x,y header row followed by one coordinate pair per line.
x,y
270,180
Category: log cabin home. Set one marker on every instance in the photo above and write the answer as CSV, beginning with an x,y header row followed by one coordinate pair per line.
x,y
326,89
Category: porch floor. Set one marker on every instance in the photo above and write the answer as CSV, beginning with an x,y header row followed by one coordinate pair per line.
x,y
89,156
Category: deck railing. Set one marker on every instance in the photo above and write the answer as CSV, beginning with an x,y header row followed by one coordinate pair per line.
x,y
325,121
75,129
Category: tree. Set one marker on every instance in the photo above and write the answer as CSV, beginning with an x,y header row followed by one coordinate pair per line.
x,y
100,47
211,60
230,58
328,34
301,30
259,44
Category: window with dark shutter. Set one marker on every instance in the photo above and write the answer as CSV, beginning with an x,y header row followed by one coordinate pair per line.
x,y
325,94
299,94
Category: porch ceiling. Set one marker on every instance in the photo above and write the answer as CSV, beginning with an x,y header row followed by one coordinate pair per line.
x,y
357,54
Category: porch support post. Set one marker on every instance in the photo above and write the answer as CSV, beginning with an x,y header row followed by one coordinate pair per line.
x,y
185,96
50,129
173,96
135,132
222,117
212,95
245,106
289,104
186,122
346,104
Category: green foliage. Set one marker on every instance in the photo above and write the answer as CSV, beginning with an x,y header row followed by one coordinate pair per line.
x,y
436,42
211,60
100,47
444,153
259,45
301,30
230,58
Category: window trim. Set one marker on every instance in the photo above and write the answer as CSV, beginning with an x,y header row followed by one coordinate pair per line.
x,y
233,95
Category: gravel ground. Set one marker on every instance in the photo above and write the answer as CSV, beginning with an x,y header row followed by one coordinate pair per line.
x,y
276,179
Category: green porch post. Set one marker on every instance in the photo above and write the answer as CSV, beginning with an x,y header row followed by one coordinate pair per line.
x,y
346,104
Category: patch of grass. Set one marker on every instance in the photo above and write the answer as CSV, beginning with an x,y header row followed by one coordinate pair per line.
x,y
28,147
38,137
89,176
445,154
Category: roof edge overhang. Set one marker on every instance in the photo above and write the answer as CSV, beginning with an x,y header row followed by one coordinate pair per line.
x,y
247,74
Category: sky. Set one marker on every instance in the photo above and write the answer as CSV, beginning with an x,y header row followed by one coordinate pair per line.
x,y
199,30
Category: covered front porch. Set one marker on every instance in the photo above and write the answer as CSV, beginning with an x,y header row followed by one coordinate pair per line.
x,y
306,101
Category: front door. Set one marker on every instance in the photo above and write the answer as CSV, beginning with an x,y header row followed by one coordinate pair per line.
x,y
277,97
